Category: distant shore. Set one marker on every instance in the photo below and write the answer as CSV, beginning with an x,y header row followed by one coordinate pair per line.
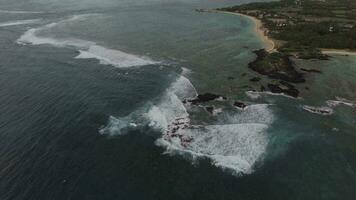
x,y
269,44
338,52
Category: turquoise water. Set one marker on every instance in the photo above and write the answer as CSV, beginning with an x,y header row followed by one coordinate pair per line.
x,y
88,89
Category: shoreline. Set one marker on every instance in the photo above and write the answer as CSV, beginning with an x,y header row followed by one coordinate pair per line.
x,y
269,43
344,52
259,29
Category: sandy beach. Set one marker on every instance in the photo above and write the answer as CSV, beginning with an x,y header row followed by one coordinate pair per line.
x,y
259,29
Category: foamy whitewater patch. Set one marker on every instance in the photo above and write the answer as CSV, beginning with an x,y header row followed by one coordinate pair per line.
x,y
340,101
113,57
255,94
19,22
257,113
19,12
233,146
183,88
118,126
169,110
160,115
237,144
87,49
319,110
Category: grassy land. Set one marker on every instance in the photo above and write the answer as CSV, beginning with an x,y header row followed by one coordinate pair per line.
x,y
306,26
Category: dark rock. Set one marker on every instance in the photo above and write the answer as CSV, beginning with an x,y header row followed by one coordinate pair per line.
x,y
244,74
255,79
230,78
274,88
262,88
210,109
290,86
240,105
290,91
202,98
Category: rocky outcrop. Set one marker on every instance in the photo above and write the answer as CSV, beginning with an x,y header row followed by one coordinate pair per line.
x,y
288,89
240,105
203,98
276,65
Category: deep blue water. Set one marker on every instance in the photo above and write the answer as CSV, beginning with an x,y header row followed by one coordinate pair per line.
x,y
54,106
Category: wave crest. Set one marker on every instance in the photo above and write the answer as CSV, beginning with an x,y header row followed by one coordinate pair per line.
x,y
87,49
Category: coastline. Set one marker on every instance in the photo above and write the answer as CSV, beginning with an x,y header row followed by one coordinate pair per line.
x,y
259,29
344,52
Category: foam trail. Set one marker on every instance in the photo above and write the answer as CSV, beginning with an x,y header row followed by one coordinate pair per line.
x,y
319,110
118,126
255,94
87,49
31,35
113,57
19,12
19,22
340,101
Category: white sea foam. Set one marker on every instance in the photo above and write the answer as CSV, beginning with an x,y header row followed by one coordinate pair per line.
x,y
171,108
87,49
257,113
166,112
183,88
255,94
118,126
19,12
340,101
234,146
319,110
19,22
158,116
113,57
237,144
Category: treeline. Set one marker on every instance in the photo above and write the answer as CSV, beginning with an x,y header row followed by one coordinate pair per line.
x,y
318,35
260,5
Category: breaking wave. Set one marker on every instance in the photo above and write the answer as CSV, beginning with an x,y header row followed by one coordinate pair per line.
x,y
319,110
113,57
340,101
232,146
235,143
87,49
19,22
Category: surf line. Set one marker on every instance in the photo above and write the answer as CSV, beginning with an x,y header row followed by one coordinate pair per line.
x,y
86,49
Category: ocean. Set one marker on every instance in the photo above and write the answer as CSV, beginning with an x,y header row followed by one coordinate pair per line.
x,y
93,105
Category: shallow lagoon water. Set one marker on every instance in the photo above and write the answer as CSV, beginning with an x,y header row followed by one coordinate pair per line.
x,y
54,106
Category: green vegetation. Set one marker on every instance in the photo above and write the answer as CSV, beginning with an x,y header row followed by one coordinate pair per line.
x,y
300,28
305,26
276,65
